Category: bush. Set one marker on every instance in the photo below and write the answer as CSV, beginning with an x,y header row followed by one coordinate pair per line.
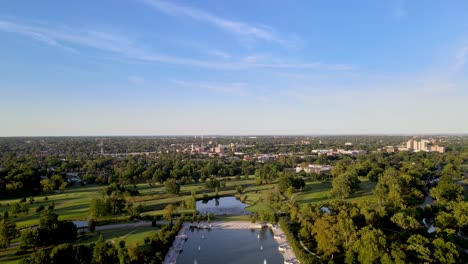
x,y
40,208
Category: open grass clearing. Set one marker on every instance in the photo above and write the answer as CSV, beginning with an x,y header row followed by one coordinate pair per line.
x,y
131,235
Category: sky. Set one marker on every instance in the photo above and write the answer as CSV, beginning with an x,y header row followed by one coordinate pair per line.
x,y
151,67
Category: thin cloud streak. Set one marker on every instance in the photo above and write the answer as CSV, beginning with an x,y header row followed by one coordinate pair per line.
x,y
236,27
65,38
31,33
461,58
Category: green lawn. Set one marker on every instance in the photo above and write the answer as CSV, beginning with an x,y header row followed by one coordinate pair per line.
x,y
8,256
131,236
316,192
73,204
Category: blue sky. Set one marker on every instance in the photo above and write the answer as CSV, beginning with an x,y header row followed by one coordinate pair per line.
x,y
150,67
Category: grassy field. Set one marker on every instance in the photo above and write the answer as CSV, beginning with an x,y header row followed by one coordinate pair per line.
x,y
7,256
316,192
73,204
133,236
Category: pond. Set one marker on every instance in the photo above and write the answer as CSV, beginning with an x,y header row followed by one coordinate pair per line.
x,y
222,206
229,246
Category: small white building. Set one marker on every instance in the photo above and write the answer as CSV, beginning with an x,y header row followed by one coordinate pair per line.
x,y
314,168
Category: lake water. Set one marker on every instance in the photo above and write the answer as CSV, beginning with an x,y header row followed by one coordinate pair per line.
x,y
230,246
222,206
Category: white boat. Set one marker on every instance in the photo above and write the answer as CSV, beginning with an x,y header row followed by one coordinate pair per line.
x,y
278,236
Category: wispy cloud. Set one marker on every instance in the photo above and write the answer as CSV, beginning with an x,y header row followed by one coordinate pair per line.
x,y
72,39
32,33
137,80
221,54
236,27
400,11
237,88
461,58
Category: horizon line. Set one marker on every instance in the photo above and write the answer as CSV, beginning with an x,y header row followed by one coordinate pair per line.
x,y
252,135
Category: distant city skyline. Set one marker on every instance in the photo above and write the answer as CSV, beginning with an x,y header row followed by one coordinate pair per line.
x,y
150,67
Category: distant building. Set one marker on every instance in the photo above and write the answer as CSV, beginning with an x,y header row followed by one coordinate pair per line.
x,y
388,149
423,145
436,148
73,177
314,168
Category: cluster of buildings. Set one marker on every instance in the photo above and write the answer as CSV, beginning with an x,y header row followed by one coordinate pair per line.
x,y
332,152
423,145
314,168
415,146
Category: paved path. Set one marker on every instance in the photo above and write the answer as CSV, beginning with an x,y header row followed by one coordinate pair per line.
x,y
177,245
306,249
288,254
427,200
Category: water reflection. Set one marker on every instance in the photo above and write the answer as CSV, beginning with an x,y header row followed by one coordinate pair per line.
x,y
222,206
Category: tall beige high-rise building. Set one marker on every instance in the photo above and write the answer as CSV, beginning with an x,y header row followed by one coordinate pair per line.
x,y
423,145
410,144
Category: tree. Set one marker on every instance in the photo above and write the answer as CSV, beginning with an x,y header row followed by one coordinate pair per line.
x,y
239,189
37,257
83,253
48,224
63,253
68,232
104,253
15,209
445,252
346,230
92,225
124,258
405,222
419,246
397,189
265,174
24,207
344,184
7,232
30,239
99,207
168,211
388,189
288,180
48,186
172,186
117,202
326,235
460,213
371,246
447,190
134,211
